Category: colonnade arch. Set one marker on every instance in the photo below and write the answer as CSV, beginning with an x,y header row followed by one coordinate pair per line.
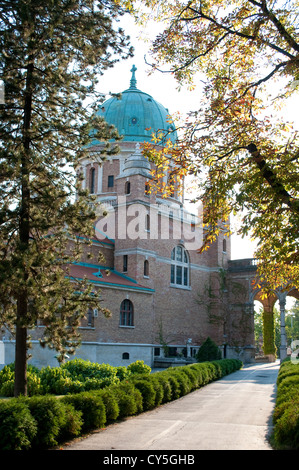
x,y
244,271
268,304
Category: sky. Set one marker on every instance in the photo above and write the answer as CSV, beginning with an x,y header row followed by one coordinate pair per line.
x,y
164,89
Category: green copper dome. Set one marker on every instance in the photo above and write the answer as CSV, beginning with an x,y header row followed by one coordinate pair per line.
x,y
136,115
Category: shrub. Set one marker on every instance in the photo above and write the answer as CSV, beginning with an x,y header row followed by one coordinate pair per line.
x,y
174,385
80,369
203,374
288,395
72,423
159,389
218,371
166,387
286,412
287,383
147,391
43,421
209,351
17,425
129,399
110,403
55,380
91,406
7,381
50,415
286,430
289,401
6,375
182,379
138,367
123,373
7,388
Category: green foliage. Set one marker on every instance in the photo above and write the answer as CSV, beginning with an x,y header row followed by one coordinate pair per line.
x,y
166,387
182,380
72,423
159,388
286,412
138,367
208,351
111,404
123,372
91,406
44,421
129,399
17,426
174,385
268,333
55,380
73,376
147,391
241,149
7,381
50,415
51,54
93,375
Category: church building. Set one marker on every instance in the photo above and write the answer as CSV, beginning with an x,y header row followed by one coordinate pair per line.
x,y
165,297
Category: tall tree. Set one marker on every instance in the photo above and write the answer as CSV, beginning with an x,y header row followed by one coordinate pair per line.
x,y
243,153
51,54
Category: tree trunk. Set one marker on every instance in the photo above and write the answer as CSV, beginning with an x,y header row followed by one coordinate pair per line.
x,y
21,361
24,237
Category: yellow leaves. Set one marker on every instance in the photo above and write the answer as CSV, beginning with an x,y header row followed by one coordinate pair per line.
x,y
167,176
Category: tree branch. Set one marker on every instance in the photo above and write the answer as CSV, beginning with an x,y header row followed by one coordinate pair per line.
x,y
279,26
240,34
272,179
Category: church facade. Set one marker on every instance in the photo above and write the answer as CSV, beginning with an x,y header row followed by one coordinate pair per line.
x,y
165,297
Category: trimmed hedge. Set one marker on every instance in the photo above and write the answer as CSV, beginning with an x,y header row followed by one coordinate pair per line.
x,y
45,421
74,376
286,412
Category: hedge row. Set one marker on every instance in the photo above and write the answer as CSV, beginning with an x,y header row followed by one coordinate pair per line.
x,y
45,421
74,376
286,412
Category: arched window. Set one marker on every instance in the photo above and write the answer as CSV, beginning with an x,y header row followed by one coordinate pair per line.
x,y
146,268
126,355
92,175
127,187
179,267
126,313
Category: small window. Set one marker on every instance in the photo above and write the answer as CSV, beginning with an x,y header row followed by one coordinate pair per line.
x,y
126,355
90,317
125,263
92,180
146,268
147,189
127,187
110,181
147,223
126,313
224,246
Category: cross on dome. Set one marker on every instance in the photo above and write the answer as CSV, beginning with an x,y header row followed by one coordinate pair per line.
x,y
133,81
